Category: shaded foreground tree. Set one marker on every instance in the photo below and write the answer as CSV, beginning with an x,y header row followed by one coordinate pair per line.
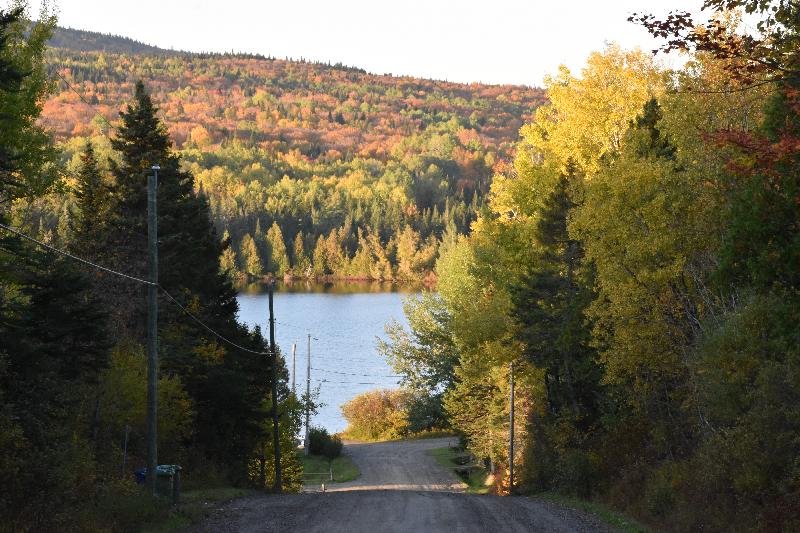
x,y
70,391
53,337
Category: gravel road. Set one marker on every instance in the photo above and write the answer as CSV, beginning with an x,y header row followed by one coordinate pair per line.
x,y
401,489
399,465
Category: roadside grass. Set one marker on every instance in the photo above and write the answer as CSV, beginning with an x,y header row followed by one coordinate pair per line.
x,y
193,507
476,480
476,485
344,469
612,518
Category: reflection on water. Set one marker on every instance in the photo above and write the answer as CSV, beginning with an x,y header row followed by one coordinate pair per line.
x,y
334,287
344,320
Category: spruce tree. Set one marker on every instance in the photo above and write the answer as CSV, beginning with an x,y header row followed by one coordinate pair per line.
x,y
221,386
550,305
278,258
92,201
301,262
227,262
251,260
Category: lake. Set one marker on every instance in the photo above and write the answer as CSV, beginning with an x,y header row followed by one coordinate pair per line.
x,y
344,320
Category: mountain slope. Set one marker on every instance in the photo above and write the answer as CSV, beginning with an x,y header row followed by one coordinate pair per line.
x,y
90,41
311,147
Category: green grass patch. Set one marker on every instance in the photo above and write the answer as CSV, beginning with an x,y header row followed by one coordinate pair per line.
x,y
344,469
612,518
194,506
476,480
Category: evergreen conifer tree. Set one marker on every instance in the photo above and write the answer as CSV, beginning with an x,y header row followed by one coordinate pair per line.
x,y
550,305
228,386
278,258
92,201
301,262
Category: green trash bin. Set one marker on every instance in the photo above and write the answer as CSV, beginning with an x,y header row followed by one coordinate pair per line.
x,y
168,482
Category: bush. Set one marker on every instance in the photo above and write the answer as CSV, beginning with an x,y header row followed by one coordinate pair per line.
x,y
333,448
320,442
377,415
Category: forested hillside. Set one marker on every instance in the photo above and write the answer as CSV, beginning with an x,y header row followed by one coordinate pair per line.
x,y
640,266
310,169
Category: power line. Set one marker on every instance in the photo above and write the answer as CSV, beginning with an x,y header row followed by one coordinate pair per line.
x,y
162,289
132,278
358,375
219,336
348,382
83,99
328,334
301,328
74,257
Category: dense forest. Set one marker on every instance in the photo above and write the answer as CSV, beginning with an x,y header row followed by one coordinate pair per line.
x,y
628,239
73,370
310,170
639,263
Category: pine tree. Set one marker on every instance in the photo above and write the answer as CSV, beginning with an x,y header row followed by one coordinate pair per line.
x,y
301,262
225,387
278,258
320,258
92,202
251,260
53,335
550,306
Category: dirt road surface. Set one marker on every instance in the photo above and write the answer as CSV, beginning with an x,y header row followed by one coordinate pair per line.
x,y
401,489
400,465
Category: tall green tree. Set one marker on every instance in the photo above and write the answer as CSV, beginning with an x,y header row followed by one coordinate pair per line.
x,y
92,202
278,256
223,382
550,305
251,259
53,334
27,157
300,259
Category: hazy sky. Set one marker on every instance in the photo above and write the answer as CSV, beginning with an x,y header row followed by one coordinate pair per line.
x,y
494,41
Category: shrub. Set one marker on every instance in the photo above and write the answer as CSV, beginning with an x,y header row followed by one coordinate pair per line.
x,y
333,448
377,415
320,442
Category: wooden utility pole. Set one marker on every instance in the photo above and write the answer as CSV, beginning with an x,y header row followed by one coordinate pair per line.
x,y
511,435
276,433
152,328
308,396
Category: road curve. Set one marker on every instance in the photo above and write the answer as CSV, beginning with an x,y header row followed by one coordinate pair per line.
x,y
399,465
401,489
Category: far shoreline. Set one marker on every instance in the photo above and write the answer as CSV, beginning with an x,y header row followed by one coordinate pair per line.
x,y
334,284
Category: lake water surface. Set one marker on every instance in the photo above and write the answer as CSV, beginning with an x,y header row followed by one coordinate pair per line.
x,y
344,321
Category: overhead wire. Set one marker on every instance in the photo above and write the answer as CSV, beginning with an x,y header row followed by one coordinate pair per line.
x,y
353,374
74,257
83,99
81,96
132,278
346,382
208,328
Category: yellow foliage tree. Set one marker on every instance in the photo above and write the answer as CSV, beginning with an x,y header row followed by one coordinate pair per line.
x,y
588,115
